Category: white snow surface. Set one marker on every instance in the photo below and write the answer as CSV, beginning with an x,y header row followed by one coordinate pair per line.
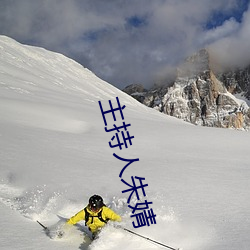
x,y
55,155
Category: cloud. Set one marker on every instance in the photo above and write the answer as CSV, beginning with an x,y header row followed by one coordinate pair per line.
x,y
233,49
228,28
123,42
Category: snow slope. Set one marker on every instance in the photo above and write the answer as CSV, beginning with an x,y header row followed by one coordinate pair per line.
x,y
55,154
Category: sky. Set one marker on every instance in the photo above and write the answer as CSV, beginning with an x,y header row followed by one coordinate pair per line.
x,y
133,41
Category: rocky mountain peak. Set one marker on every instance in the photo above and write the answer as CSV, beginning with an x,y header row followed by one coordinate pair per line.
x,y
200,96
196,64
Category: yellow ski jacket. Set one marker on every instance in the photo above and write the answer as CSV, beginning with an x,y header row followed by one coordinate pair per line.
x,y
94,223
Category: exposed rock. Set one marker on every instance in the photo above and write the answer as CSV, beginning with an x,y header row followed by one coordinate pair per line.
x,y
237,81
201,97
137,91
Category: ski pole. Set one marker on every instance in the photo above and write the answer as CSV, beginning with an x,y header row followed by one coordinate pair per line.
x,y
45,228
159,243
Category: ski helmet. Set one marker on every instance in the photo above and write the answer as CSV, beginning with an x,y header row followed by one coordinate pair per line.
x,y
95,202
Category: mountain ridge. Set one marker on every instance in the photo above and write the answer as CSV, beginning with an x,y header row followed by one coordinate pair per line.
x,y
201,95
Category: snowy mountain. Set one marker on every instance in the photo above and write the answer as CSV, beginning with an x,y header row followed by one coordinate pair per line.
x,y
237,81
55,154
201,95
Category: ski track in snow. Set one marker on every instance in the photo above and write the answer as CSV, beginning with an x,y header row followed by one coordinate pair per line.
x,y
37,205
40,204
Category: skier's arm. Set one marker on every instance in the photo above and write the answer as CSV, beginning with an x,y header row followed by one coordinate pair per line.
x,y
110,214
77,217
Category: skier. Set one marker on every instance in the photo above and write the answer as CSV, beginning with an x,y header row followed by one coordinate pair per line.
x,y
95,214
